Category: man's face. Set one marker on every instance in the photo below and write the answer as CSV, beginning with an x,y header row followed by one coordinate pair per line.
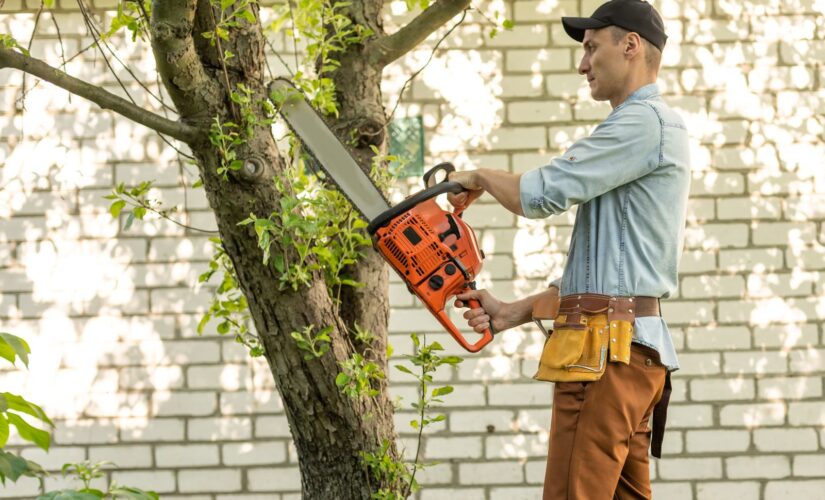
x,y
603,63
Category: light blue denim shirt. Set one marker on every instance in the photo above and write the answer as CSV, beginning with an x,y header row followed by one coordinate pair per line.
x,y
631,178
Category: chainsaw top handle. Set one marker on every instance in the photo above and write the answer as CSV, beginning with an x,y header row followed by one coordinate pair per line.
x,y
442,187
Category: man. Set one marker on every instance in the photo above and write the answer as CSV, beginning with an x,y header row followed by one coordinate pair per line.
x,y
630,178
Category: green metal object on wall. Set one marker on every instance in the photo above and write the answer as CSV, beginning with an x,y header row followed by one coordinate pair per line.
x,y
407,143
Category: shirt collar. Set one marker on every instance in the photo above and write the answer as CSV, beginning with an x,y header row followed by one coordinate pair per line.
x,y
645,92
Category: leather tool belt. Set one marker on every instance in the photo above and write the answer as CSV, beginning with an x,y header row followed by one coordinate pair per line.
x,y
588,331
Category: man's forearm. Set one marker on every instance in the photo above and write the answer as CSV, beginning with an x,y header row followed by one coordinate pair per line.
x,y
521,311
503,186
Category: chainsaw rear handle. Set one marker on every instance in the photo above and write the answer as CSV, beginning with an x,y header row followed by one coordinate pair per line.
x,y
446,322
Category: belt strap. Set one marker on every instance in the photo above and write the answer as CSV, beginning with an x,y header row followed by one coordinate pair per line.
x,y
594,303
660,419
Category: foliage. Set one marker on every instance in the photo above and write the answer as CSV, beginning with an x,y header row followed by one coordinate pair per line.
x,y
397,476
88,471
14,411
314,345
229,303
9,42
133,15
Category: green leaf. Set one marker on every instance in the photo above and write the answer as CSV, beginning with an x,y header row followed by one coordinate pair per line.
x,y
11,346
32,434
441,391
4,430
139,212
507,24
342,379
116,208
129,221
404,369
20,405
223,328
129,493
13,466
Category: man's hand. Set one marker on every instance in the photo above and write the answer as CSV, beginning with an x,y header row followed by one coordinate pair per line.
x,y
492,311
470,182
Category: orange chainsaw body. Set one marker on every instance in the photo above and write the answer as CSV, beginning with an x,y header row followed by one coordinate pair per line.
x,y
436,253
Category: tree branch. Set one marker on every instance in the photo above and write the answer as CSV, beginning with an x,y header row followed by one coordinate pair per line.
x,y
389,48
106,100
196,94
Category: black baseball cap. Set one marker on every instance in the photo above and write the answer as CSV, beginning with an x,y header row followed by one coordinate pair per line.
x,y
632,15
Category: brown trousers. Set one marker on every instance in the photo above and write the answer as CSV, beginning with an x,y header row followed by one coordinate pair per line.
x,y
600,433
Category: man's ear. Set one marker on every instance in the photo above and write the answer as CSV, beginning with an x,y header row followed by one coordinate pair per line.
x,y
632,44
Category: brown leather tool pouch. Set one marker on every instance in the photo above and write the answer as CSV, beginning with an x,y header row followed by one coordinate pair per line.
x,y
585,336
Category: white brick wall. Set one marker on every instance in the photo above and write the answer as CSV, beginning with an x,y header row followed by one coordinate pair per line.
x,y
193,417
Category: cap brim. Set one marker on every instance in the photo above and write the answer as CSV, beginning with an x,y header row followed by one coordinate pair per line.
x,y
576,26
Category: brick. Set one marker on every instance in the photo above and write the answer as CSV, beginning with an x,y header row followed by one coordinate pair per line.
x,y
219,428
711,236
53,459
690,468
785,440
538,60
491,473
808,360
785,336
543,11
452,447
752,415
700,210
774,183
85,431
566,85
522,35
498,368
452,493
783,233
155,377
689,416
775,310
790,388
727,489
249,402
760,260
749,208
518,138
697,261
716,184
716,441
180,249
808,465
254,453
520,394
781,490
721,389
684,312
159,481
189,455
125,457
806,207
150,430
806,258
516,446
538,112
209,480
274,479
799,284
718,338
699,364
807,413
672,490
590,110
756,362
180,403
513,493
522,86
758,467
480,421
713,286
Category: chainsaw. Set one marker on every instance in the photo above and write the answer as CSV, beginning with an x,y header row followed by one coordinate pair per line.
x,y
433,250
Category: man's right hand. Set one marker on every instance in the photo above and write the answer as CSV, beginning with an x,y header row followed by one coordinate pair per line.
x,y
492,311
469,180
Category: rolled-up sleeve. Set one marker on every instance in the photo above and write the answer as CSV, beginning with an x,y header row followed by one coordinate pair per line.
x,y
623,148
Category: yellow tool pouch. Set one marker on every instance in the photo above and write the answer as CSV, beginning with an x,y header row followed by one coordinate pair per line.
x,y
580,346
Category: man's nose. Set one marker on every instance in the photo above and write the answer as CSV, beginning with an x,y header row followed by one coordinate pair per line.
x,y
584,65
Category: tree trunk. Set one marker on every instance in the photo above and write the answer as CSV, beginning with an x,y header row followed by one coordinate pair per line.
x,y
330,430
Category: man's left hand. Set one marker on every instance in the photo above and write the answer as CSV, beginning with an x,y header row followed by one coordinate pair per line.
x,y
470,181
